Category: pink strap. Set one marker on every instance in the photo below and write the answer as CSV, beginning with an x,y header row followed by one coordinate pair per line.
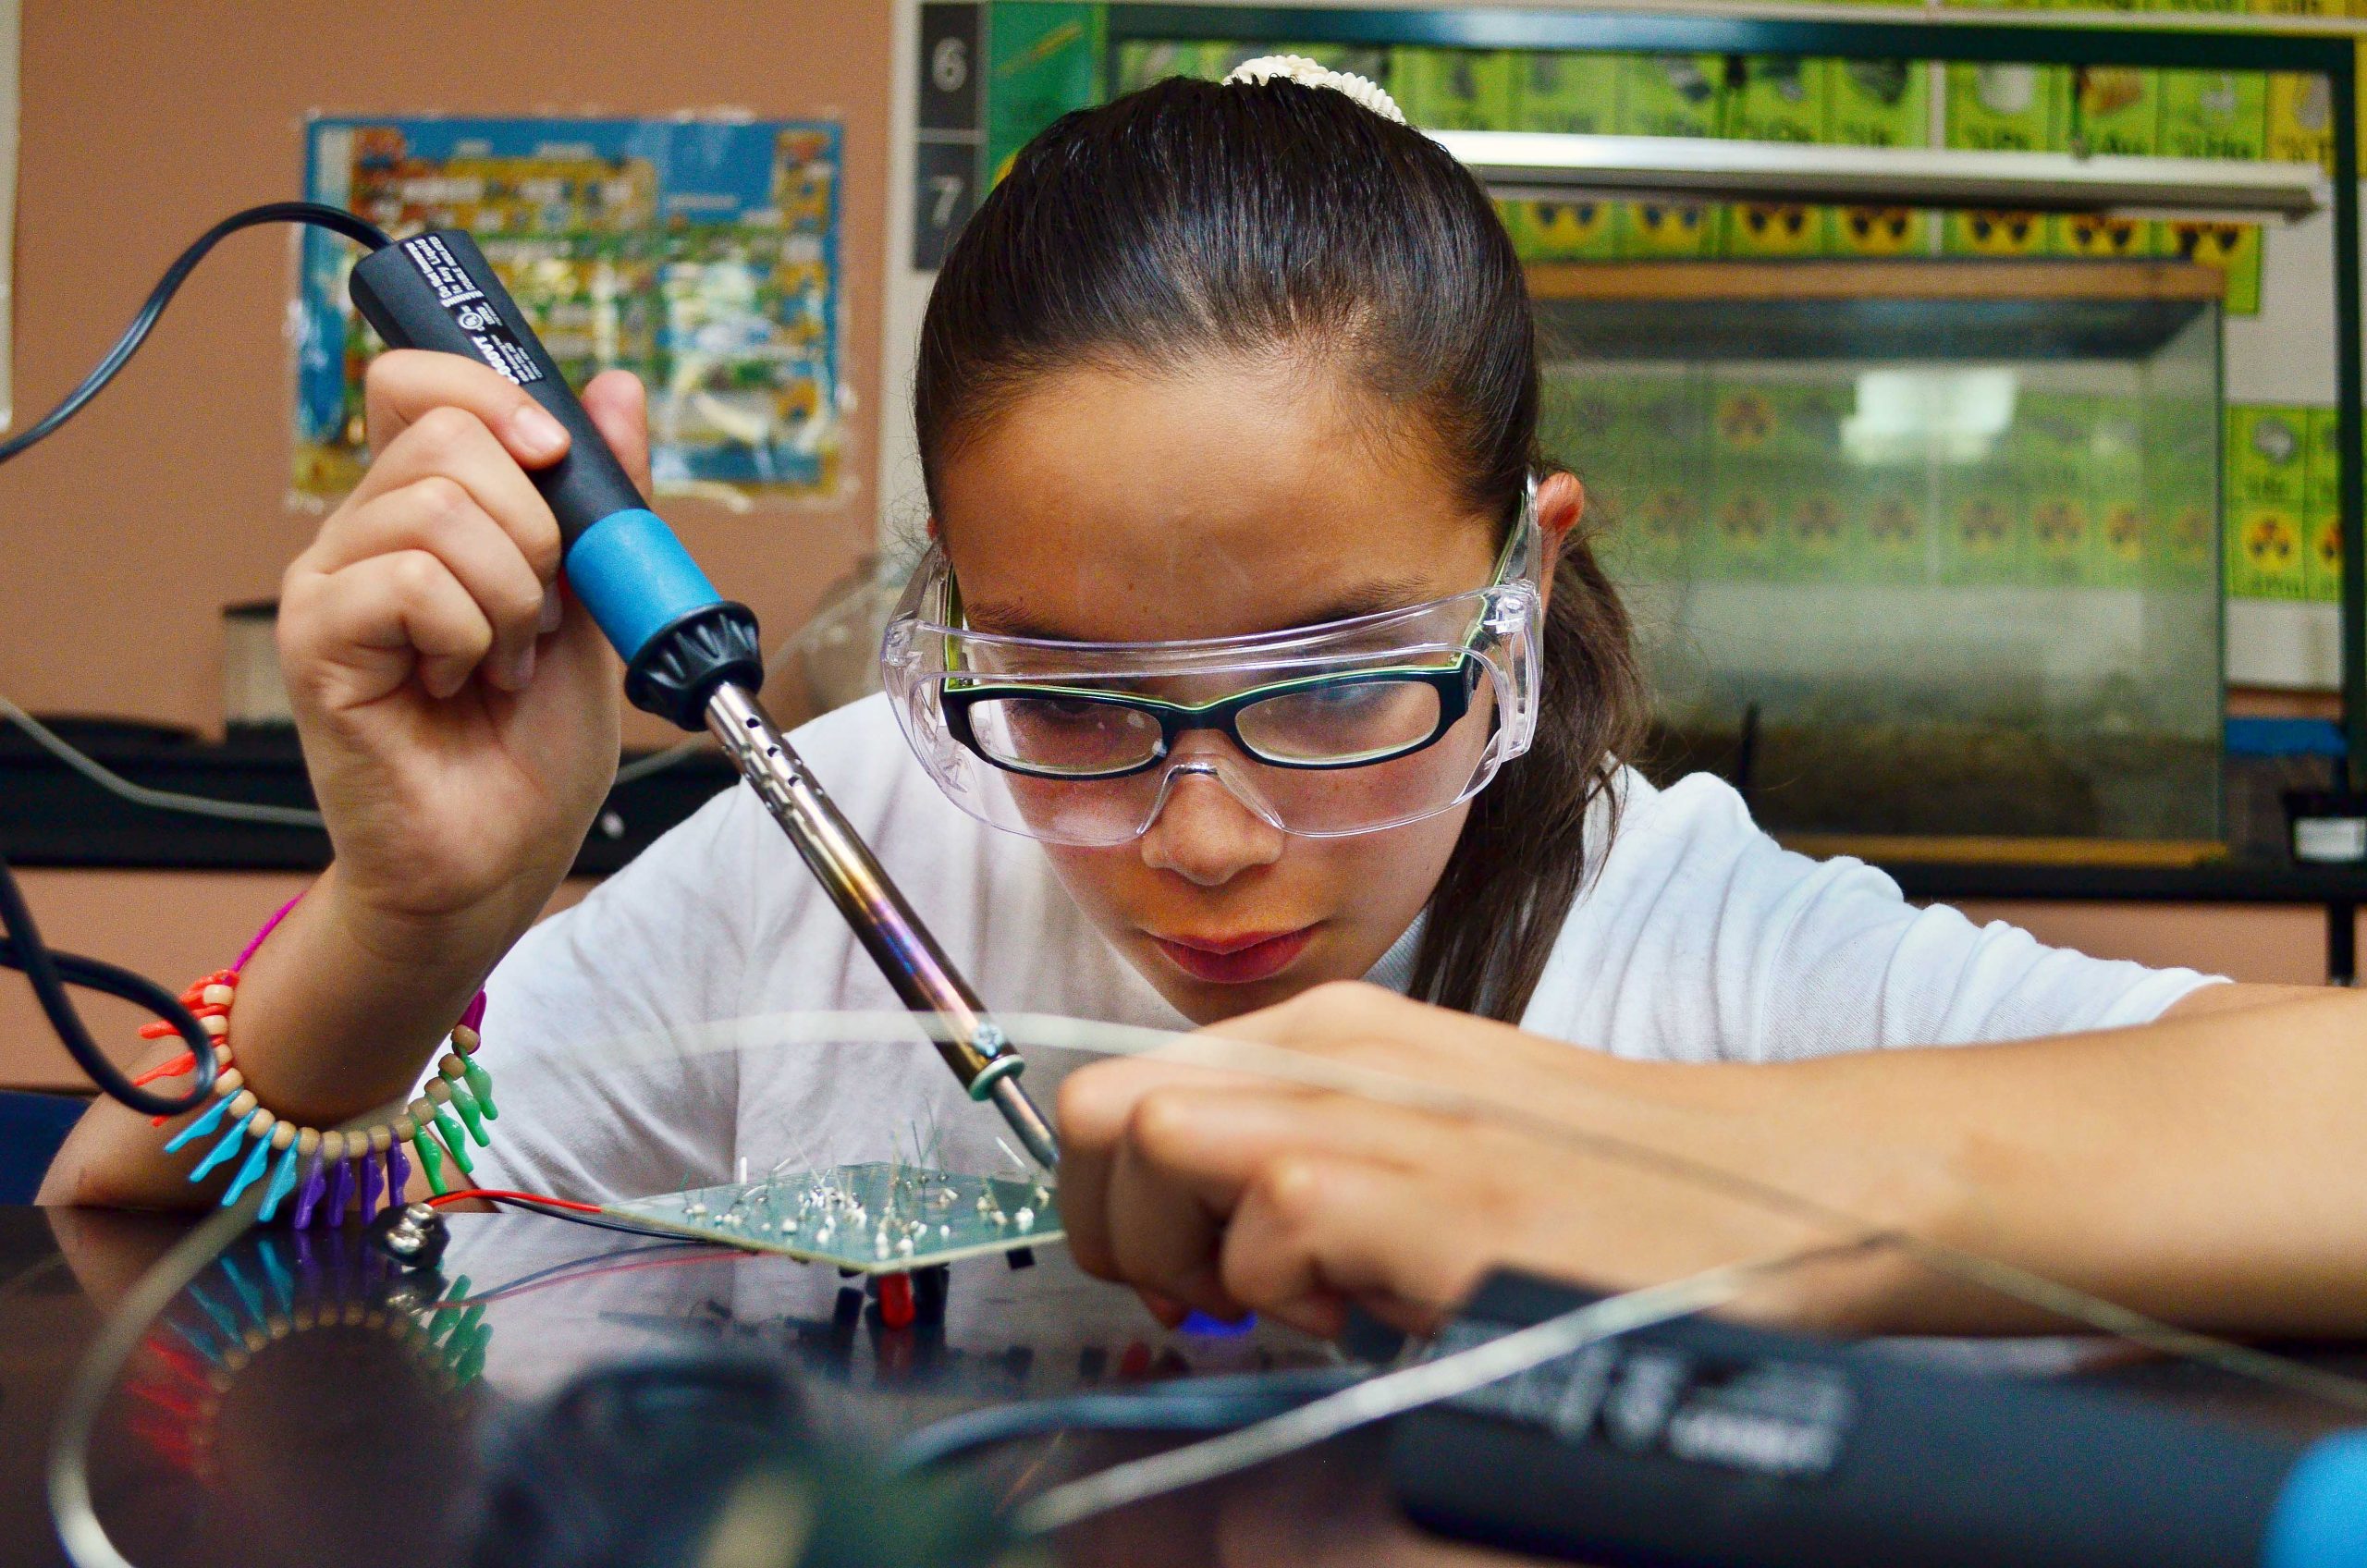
x,y
269,927
471,1016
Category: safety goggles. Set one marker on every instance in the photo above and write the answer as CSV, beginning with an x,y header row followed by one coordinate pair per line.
x,y
1347,727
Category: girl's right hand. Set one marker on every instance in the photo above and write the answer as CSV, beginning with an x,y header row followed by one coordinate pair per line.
x,y
459,712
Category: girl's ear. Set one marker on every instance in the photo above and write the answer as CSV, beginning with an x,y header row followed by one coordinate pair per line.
x,y
1560,502
933,533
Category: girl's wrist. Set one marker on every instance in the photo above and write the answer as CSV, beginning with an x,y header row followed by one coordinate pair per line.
x,y
420,942
286,1159
340,1009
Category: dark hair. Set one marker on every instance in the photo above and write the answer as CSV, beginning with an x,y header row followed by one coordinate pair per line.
x,y
1189,217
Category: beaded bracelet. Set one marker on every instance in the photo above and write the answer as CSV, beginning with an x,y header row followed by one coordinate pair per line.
x,y
339,1166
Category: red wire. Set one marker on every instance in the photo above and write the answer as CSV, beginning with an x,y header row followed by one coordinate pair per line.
x,y
497,1194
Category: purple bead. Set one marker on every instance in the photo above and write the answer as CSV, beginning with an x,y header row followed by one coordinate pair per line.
x,y
472,1016
397,1172
370,1179
316,1183
341,1195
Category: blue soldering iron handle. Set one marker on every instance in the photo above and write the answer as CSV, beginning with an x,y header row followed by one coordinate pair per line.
x,y
2320,1520
680,639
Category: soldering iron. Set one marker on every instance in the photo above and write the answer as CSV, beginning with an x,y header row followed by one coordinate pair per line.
x,y
692,657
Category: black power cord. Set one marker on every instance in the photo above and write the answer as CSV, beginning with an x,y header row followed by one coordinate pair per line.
x,y
335,219
21,944
49,973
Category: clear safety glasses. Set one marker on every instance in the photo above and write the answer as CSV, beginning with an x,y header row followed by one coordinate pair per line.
x,y
1348,727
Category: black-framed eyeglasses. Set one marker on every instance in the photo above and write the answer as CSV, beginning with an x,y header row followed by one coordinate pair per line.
x,y
1348,718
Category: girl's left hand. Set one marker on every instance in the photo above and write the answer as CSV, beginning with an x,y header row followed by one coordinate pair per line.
x,y
1228,1193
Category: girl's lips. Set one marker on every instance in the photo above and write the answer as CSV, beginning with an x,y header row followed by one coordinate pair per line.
x,y
1237,961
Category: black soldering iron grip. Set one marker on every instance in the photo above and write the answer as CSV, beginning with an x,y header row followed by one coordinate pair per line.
x,y
680,639
437,290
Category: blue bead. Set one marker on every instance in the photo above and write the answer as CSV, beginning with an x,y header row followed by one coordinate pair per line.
x,y
283,1286
247,1298
231,1329
197,1340
283,1181
198,1128
224,1149
256,1158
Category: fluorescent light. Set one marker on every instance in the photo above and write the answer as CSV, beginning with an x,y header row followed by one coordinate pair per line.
x,y
1545,165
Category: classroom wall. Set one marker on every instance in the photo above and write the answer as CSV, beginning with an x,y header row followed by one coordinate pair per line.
x,y
2271,944
124,535
180,923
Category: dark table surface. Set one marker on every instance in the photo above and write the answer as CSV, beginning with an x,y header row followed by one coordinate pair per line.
x,y
275,1407
280,1411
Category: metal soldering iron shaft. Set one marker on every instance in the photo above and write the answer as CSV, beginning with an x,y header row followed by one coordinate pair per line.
x,y
907,955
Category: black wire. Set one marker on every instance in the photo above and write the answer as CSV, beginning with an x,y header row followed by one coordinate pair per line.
x,y
21,944
603,1221
603,1259
50,973
335,219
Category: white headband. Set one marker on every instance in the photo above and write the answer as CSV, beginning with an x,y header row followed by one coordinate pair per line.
x,y
1307,73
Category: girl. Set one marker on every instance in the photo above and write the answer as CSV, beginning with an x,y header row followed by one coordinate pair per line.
x,y
1257,648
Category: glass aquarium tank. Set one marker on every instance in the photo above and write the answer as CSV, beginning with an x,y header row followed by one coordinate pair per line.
x,y
1922,555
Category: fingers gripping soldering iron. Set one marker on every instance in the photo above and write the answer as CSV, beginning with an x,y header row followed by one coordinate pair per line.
x,y
691,655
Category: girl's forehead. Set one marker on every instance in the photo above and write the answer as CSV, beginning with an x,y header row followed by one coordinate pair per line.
x,y
1234,498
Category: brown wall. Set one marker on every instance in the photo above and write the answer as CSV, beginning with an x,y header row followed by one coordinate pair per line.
x,y
126,533
175,925
142,124
2273,944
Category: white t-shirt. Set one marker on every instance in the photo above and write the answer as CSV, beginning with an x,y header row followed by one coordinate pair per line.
x,y
1699,938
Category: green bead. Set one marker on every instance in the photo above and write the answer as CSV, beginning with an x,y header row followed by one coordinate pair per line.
x,y
431,1161
481,1085
456,1347
455,1141
466,1104
472,1363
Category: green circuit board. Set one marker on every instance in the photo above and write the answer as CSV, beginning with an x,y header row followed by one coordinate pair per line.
x,y
881,1217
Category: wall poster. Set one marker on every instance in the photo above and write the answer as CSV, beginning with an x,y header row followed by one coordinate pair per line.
x,y
701,255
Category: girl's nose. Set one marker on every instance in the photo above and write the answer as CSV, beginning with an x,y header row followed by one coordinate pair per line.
x,y
1205,835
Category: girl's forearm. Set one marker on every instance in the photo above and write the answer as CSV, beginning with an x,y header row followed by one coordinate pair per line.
x,y
337,1015
2199,1169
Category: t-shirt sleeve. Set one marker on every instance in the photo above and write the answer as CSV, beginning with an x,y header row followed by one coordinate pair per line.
x,y
595,1019
1799,957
